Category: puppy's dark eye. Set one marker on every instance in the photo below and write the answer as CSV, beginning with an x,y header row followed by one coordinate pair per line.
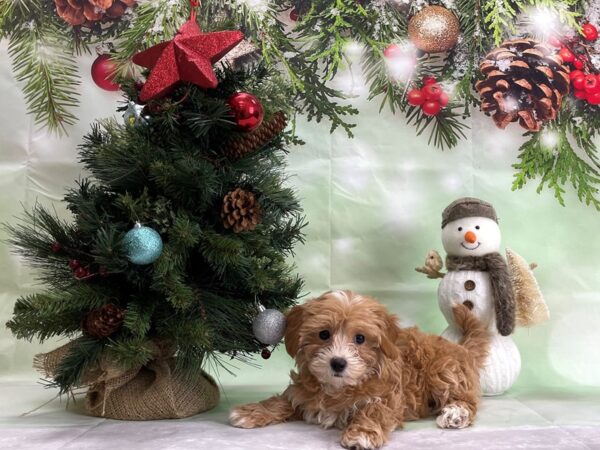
x,y
459,228
359,339
324,335
477,227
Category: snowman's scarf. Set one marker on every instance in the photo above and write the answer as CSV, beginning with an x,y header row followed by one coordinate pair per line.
x,y
504,300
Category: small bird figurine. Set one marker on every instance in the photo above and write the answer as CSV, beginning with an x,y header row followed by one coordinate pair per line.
x,y
433,265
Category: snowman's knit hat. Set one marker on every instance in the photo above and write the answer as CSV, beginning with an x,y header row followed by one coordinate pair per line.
x,y
468,207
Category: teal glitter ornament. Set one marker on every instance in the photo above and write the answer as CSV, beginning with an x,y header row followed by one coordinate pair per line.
x,y
144,245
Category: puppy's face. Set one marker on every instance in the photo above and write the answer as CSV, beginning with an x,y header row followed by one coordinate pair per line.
x,y
341,338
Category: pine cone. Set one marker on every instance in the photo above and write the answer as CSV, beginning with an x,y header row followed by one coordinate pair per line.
x,y
241,211
525,81
103,322
84,12
241,145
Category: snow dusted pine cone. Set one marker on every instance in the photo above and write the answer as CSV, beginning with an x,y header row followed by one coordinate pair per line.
x,y
84,12
241,211
103,322
525,81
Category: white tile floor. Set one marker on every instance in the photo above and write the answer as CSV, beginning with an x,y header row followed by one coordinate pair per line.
x,y
532,420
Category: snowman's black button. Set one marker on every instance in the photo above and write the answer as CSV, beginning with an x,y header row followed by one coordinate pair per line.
x,y
470,285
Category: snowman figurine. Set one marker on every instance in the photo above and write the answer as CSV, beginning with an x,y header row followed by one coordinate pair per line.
x,y
479,277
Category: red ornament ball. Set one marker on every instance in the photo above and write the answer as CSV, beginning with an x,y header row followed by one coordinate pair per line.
x,y
594,98
415,97
432,91
247,111
429,79
575,73
591,84
392,51
266,353
431,108
578,64
294,15
578,82
444,99
103,70
590,32
56,247
580,94
74,264
566,55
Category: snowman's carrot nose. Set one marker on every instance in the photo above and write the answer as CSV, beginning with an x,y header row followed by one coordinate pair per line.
x,y
470,237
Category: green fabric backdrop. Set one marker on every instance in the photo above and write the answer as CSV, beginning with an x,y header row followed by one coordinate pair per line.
x,y
374,204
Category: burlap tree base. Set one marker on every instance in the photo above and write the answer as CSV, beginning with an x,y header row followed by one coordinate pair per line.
x,y
150,392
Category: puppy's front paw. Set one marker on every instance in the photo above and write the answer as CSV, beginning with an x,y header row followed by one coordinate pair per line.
x,y
454,416
359,438
247,416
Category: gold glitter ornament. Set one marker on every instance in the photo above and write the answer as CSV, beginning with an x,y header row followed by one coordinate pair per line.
x,y
434,29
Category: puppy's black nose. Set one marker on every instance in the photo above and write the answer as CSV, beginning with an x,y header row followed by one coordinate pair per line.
x,y
338,364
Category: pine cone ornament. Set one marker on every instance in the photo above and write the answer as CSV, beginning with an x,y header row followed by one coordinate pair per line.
x,y
103,322
525,81
84,12
241,211
243,144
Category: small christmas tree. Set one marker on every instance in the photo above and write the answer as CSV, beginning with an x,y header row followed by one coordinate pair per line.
x,y
178,237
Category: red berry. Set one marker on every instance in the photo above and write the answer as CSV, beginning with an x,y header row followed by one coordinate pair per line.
x,y
432,91
566,55
591,83
56,247
594,98
392,51
444,99
578,64
429,79
74,264
81,272
415,97
575,73
266,353
589,32
294,15
554,42
580,94
578,82
431,108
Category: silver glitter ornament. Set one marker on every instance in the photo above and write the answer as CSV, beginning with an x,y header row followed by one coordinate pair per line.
x,y
144,245
269,326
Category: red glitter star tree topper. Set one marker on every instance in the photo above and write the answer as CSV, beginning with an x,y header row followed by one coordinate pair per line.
x,y
188,57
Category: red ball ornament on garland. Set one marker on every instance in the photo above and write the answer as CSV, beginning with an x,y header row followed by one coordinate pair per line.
x,y
247,111
266,353
103,70
415,97
590,32
431,108
74,264
56,247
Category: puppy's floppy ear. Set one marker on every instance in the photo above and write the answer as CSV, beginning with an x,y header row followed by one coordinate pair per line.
x,y
292,330
389,336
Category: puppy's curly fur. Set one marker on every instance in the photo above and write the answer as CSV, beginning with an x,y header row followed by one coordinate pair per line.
x,y
357,370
